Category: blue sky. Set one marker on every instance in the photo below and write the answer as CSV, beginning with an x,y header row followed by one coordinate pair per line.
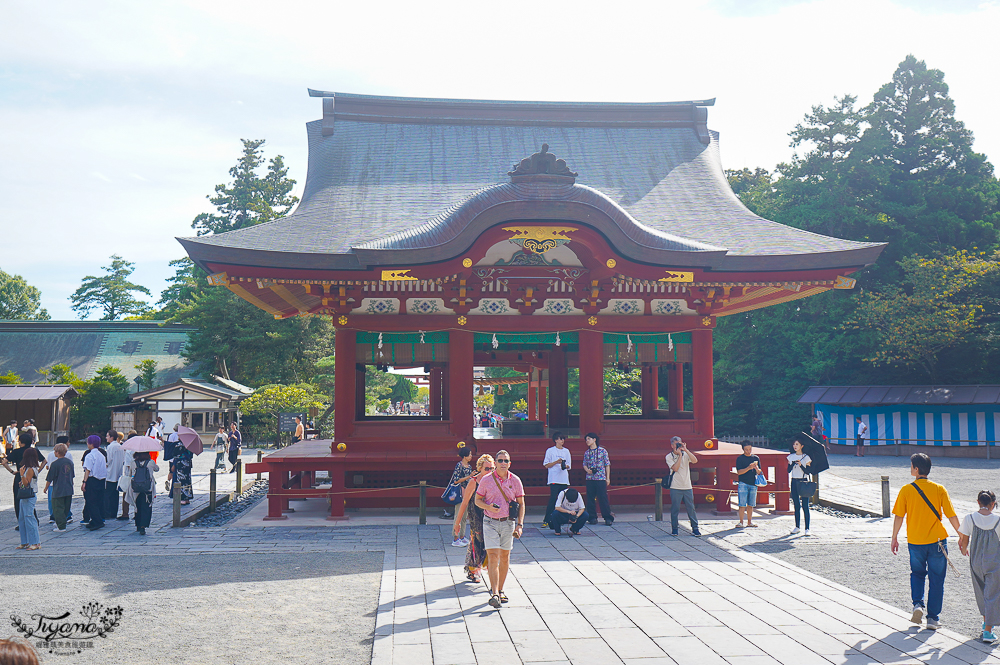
x,y
118,118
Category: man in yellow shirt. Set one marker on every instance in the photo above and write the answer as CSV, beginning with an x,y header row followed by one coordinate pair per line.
x,y
922,503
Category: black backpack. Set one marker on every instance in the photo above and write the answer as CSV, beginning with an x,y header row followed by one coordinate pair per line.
x,y
142,479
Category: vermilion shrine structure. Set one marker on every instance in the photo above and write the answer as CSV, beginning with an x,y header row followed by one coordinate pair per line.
x,y
555,238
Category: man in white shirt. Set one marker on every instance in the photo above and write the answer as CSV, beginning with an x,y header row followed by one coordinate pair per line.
x,y
116,462
558,462
859,442
569,508
681,489
95,471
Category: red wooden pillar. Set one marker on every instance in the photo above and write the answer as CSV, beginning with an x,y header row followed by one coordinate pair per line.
x,y
558,388
541,401
337,495
435,391
675,395
591,381
650,390
460,386
274,501
531,394
703,391
344,407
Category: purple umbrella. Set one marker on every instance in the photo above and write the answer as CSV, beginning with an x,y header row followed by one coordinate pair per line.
x,y
190,439
142,444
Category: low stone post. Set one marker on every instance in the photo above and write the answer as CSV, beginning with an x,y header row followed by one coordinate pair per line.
x,y
658,493
211,491
423,502
177,503
885,497
260,456
239,477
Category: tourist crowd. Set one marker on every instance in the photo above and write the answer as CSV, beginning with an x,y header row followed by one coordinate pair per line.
x,y
114,480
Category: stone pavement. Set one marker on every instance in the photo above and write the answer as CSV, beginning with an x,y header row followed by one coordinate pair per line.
x,y
634,594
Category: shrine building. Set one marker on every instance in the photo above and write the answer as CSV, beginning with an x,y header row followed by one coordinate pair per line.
x,y
557,239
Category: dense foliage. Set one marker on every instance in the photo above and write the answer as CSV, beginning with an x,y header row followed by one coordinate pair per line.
x,y
90,412
19,301
902,171
110,293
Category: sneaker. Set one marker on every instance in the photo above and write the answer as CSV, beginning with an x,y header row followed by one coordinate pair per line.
x,y
52,520
918,614
807,532
60,530
592,522
458,543
446,516
933,624
988,637
696,533
795,530
69,521
673,533
545,525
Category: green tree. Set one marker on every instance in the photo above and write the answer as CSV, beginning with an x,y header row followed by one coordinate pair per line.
x,y
19,301
264,407
11,378
147,374
622,391
90,412
934,309
250,198
111,293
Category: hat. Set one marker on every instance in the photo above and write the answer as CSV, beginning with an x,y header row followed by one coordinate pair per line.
x,y
94,440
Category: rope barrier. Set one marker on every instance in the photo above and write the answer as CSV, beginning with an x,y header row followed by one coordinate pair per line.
x,y
289,493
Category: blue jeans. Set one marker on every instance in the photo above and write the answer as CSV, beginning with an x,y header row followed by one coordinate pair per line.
x,y
747,494
27,522
557,519
801,502
928,561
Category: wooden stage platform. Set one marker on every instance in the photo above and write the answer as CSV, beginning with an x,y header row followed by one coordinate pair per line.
x,y
391,478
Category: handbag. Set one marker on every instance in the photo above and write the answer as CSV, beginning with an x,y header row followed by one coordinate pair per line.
x,y
806,488
25,491
760,480
452,495
513,507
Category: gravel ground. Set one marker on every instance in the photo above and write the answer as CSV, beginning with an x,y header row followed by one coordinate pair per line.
x,y
235,608
871,569
230,510
963,477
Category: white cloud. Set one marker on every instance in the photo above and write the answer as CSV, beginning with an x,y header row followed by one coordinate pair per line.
x,y
120,117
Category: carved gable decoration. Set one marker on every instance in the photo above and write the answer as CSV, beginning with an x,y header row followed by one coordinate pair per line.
x,y
542,163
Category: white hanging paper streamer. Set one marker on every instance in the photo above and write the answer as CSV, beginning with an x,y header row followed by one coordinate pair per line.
x,y
629,343
496,343
380,340
670,342
422,337
558,342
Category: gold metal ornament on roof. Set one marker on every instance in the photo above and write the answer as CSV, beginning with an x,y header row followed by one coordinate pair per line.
x,y
677,276
592,320
706,320
462,320
539,239
611,263
844,282
467,262
398,276
342,320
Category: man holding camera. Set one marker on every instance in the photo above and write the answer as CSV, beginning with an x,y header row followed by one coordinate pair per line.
x,y
681,489
501,497
558,462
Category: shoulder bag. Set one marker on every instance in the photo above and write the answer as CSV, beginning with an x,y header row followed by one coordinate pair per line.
x,y
25,491
926,500
806,487
669,478
513,507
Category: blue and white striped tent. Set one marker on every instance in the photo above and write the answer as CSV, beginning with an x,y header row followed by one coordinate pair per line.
x,y
915,415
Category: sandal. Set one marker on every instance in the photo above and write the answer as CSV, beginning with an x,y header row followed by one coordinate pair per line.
x,y
21,547
503,597
495,602
754,526
34,547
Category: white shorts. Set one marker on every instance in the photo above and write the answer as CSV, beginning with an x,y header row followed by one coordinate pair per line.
x,y
498,535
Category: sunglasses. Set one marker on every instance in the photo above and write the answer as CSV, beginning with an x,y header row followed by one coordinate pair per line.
x,y
503,461
488,468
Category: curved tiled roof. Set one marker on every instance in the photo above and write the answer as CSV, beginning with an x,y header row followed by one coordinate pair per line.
x,y
392,174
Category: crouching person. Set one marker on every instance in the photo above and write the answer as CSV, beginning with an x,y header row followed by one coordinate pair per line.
x,y
569,510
